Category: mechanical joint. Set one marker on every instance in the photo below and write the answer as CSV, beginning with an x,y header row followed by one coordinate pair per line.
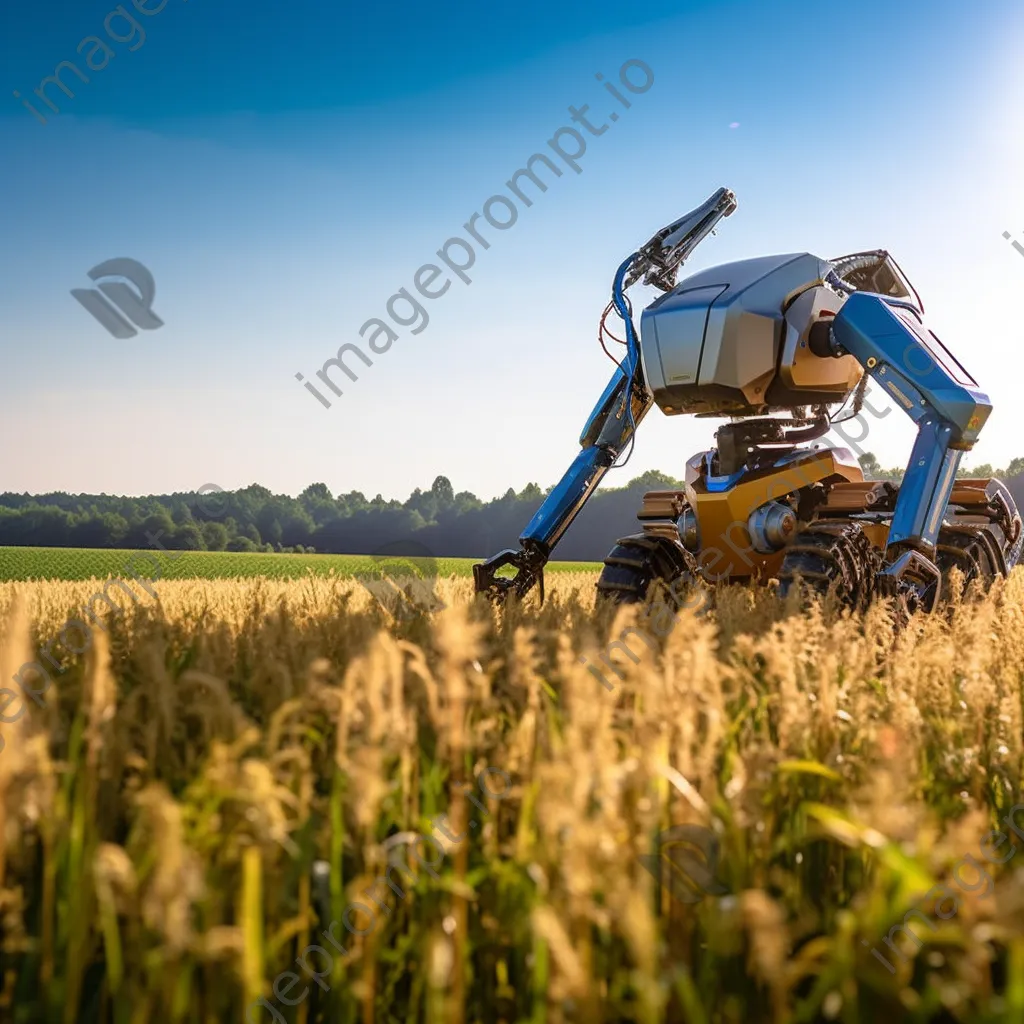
x,y
914,570
822,342
689,532
771,526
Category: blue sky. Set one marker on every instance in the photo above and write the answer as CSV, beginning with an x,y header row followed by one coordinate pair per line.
x,y
284,170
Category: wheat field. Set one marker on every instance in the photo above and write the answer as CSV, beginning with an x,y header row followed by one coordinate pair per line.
x,y
199,815
30,563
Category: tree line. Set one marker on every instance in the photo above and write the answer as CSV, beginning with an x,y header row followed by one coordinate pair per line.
x,y
446,523
874,471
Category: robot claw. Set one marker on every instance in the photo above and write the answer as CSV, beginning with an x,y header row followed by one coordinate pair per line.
x,y
528,563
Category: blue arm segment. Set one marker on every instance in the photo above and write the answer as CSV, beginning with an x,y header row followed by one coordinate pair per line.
x,y
889,339
567,498
607,432
612,425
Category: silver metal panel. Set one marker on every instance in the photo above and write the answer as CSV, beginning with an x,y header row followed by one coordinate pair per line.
x,y
745,326
742,306
672,339
739,274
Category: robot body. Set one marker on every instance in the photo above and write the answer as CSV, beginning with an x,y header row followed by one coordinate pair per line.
x,y
773,343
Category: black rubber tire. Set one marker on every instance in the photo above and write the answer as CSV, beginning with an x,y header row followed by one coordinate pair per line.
x,y
977,551
832,558
636,562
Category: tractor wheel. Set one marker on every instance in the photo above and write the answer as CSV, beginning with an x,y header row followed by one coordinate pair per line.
x,y
975,550
636,562
832,558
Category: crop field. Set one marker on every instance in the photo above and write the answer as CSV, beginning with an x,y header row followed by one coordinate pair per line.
x,y
278,800
25,563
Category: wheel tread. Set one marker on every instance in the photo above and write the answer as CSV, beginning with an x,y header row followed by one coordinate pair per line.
x,y
831,557
636,562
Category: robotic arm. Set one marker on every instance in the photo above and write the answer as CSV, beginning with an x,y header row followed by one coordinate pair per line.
x,y
612,424
888,337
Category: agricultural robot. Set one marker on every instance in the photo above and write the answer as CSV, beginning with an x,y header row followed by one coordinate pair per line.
x,y
781,346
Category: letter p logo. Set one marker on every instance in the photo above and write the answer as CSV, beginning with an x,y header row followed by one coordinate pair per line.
x,y
135,304
403,578
684,863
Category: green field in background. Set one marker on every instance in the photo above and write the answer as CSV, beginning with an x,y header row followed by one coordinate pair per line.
x,y
88,563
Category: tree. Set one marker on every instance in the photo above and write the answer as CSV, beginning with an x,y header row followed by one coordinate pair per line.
x,y
50,526
869,463
466,500
257,492
1015,468
316,492
443,491
982,472
873,469
158,525
103,530
425,504
297,526
187,538
317,501
215,536
654,480
269,524
352,502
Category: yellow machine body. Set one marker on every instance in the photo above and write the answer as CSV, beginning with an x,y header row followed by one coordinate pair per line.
x,y
723,546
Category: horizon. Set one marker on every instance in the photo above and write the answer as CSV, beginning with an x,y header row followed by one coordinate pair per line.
x,y
614,485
